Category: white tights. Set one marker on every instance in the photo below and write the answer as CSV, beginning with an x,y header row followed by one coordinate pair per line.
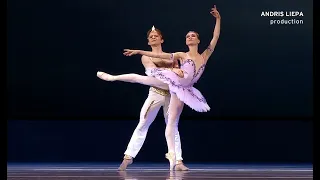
x,y
175,106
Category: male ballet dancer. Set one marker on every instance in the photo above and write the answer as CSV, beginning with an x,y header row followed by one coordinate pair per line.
x,y
157,97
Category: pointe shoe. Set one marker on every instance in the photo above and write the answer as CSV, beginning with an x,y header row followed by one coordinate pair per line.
x,y
172,160
99,73
127,160
105,76
181,167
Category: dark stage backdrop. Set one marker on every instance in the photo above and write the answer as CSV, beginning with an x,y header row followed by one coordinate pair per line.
x,y
56,47
203,141
258,70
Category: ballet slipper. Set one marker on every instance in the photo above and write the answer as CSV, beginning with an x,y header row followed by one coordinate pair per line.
x,y
127,160
172,160
181,167
105,76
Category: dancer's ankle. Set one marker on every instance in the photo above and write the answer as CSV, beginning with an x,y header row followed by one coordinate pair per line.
x,y
112,78
127,157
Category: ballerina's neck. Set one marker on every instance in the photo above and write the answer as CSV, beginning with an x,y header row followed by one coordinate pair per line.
x,y
193,49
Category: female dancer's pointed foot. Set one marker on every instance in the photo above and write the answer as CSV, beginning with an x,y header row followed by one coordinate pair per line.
x,y
105,76
172,160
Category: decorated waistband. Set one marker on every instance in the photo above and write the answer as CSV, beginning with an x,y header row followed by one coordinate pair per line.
x,y
160,91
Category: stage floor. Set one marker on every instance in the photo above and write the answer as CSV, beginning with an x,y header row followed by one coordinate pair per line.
x,y
139,171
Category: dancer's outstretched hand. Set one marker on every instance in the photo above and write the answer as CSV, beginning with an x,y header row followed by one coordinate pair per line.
x,y
129,52
215,12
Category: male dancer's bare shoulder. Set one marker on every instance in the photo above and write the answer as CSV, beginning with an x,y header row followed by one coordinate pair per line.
x,y
147,62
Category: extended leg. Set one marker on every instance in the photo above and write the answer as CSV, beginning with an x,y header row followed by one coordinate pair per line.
x,y
133,78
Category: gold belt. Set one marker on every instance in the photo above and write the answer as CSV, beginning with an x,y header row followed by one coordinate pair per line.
x,y
160,91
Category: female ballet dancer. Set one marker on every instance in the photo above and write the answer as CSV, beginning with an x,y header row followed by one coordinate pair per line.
x,y
178,81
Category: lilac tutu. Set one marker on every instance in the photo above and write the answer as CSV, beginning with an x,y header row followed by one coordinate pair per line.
x,y
183,87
